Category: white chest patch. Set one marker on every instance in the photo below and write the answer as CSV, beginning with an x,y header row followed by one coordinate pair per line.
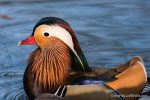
x,y
62,34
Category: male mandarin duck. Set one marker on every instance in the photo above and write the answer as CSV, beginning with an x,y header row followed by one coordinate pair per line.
x,y
58,66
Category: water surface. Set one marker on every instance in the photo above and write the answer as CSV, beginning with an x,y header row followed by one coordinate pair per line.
x,y
110,32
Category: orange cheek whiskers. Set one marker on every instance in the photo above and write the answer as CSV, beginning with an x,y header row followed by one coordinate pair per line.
x,y
52,68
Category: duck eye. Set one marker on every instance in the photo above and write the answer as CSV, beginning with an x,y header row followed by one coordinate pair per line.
x,y
46,34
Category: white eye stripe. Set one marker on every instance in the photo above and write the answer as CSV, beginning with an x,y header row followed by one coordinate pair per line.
x,y
62,34
59,32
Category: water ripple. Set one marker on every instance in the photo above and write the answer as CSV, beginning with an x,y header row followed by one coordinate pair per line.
x,y
110,32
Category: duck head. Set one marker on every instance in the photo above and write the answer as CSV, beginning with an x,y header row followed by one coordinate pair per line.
x,y
49,28
58,52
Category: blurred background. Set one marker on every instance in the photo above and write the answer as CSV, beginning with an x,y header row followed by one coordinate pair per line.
x,y
110,33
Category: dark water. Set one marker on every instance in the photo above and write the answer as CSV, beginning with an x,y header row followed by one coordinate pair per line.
x,y
110,32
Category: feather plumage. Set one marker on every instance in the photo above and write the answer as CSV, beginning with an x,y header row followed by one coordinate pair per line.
x,y
48,68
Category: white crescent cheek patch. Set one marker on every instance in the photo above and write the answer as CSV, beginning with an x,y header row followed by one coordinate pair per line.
x,y
62,34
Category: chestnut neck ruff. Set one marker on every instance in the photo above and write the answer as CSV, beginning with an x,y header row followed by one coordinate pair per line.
x,y
47,68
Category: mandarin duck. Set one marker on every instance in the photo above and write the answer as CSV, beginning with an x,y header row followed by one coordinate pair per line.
x,y
58,66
